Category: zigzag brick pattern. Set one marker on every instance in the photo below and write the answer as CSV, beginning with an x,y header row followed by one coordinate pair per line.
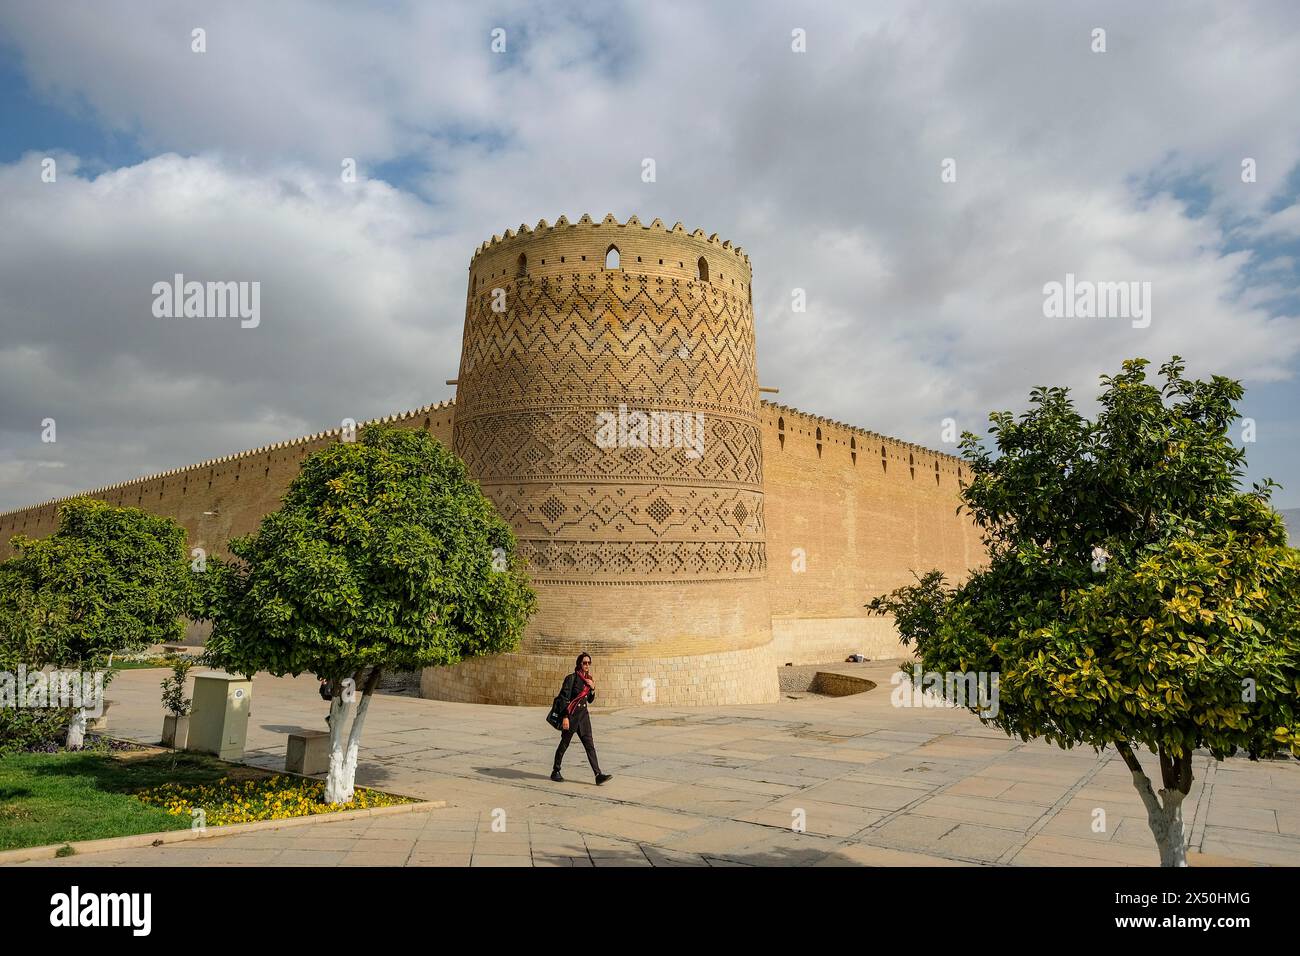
x,y
690,577
651,550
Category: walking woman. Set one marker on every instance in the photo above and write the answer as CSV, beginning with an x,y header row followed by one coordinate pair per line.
x,y
578,691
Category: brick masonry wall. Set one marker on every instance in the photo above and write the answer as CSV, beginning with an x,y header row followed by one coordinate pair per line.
x,y
731,677
858,512
700,575
220,499
645,556
862,527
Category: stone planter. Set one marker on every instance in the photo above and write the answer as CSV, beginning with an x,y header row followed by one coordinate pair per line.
x,y
175,731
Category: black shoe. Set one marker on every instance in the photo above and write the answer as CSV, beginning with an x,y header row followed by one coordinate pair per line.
x,y
602,777
555,775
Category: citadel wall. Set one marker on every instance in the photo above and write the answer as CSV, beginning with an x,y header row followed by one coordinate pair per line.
x,y
219,499
702,573
863,523
850,515
648,558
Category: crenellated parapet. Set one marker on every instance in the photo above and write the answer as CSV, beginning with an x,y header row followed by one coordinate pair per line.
x,y
333,433
689,535
583,247
866,443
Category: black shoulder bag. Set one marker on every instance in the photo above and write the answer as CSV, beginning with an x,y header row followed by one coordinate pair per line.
x,y
555,717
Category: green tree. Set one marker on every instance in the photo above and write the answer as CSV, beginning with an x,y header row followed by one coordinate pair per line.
x,y
1135,596
108,580
21,613
384,554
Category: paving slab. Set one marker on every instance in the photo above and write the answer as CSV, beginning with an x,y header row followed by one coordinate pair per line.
x,y
878,786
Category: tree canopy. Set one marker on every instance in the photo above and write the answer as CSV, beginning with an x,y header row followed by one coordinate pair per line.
x,y
108,580
384,553
1135,595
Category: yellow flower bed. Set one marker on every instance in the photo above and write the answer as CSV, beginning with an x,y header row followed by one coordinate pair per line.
x,y
267,798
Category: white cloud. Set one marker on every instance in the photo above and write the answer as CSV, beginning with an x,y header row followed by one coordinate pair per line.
x,y
351,277
925,298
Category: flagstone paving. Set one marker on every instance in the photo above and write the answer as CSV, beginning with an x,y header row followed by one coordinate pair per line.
x,y
814,781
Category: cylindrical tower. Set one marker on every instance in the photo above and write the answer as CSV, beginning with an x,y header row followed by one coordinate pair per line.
x,y
608,403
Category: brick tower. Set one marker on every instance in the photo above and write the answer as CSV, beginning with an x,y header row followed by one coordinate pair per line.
x,y
608,403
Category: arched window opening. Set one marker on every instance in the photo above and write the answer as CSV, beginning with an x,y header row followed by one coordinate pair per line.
x,y
703,269
611,257
819,442
884,461
936,472
911,465
521,267
780,432
853,451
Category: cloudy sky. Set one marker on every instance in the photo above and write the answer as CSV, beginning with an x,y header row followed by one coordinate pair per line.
x,y
924,297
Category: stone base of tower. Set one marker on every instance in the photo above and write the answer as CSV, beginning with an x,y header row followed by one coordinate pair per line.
x,y
746,676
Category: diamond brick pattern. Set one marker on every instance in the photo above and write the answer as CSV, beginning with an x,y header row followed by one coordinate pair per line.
x,y
545,356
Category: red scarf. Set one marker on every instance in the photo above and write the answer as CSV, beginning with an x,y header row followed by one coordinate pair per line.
x,y
586,687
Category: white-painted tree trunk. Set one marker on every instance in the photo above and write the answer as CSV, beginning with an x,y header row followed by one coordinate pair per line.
x,y
76,738
1165,817
340,783
334,782
354,745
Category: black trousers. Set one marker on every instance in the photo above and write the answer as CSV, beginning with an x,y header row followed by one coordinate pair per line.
x,y
580,724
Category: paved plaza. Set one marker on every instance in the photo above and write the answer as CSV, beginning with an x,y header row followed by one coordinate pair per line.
x,y
872,784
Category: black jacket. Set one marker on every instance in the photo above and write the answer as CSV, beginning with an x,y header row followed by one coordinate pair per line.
x,y
571,688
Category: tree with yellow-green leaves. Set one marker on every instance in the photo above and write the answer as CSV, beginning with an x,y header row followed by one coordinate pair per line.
x,y
1135,597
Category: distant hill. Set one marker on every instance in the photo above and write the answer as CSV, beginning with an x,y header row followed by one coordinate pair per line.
x,y
1292,518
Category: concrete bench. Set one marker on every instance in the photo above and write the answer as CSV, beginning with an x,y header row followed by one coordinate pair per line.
x,y
308,753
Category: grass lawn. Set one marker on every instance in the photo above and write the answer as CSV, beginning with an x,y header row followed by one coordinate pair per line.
x,y
67,796
63,797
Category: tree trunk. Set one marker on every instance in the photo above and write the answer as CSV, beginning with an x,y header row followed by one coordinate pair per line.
x,y
1165,813
76,738
341,780
340,709
354,744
